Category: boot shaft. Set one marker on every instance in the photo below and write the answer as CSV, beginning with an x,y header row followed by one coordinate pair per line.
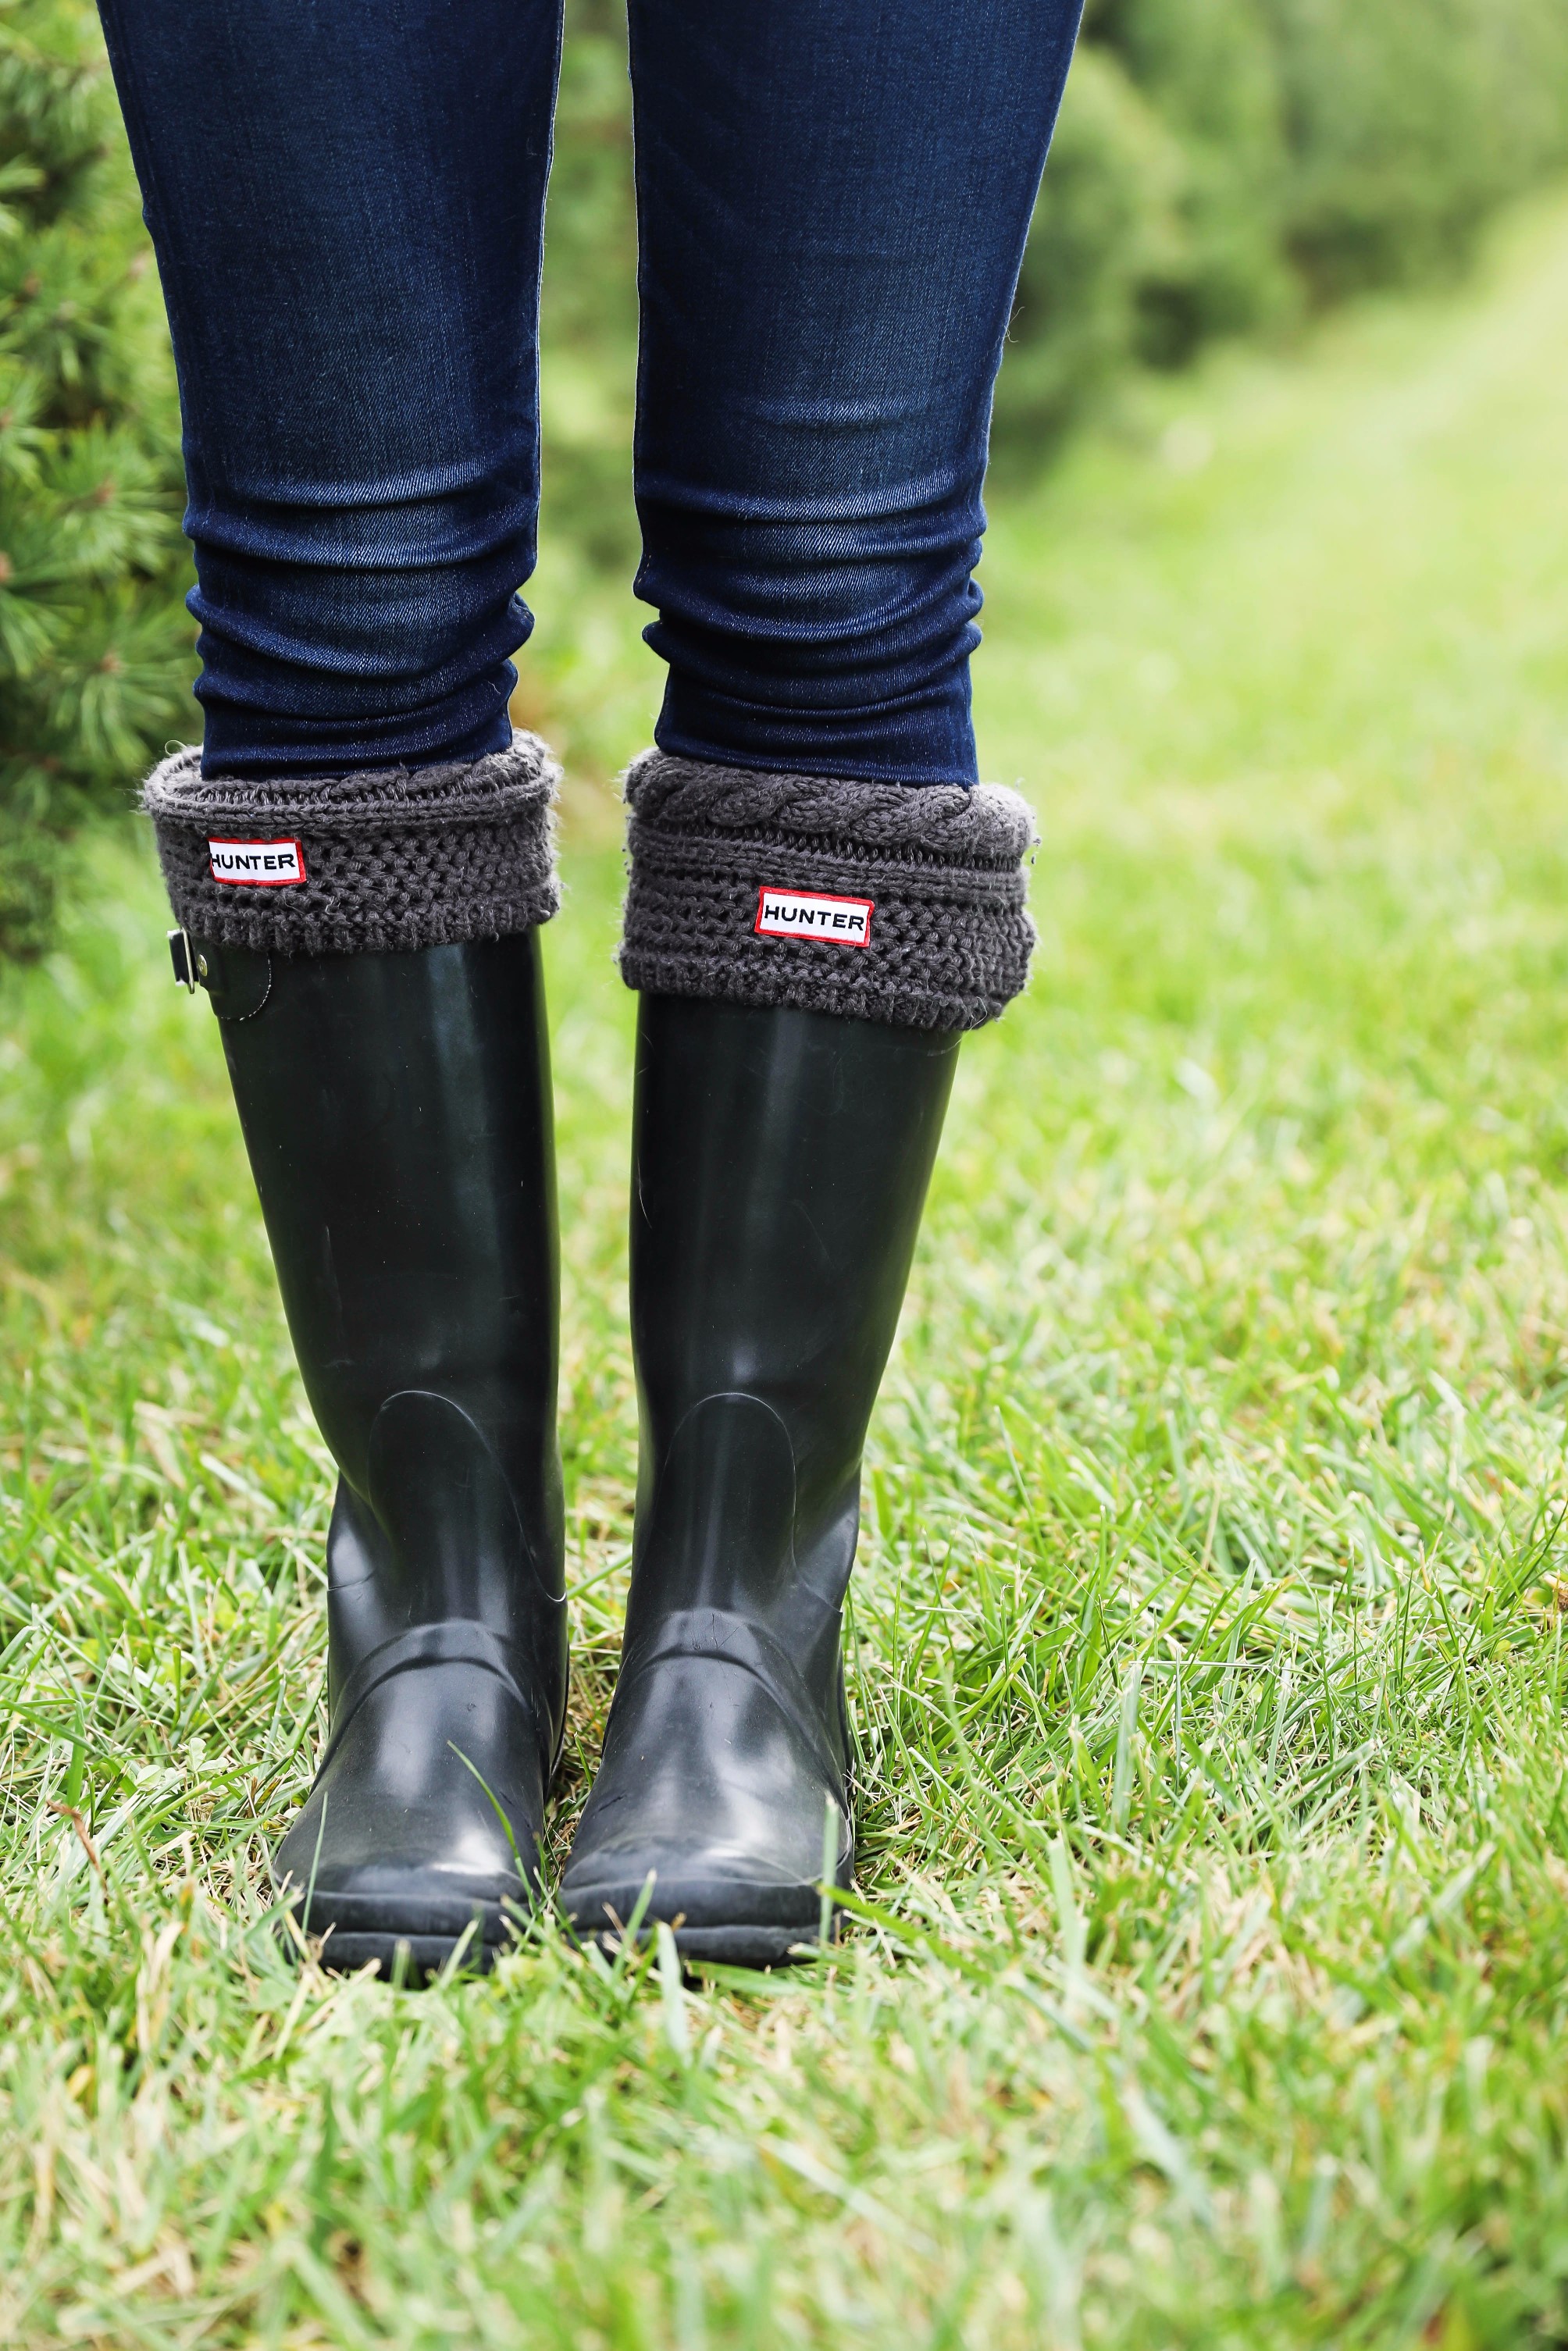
x,y
780,1169
396,1109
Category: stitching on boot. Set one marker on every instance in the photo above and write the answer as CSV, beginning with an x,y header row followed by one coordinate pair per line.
x,y
749,887
390,858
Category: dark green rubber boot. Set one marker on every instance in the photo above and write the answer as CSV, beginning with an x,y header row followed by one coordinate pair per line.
x,y
396,1108
779,1168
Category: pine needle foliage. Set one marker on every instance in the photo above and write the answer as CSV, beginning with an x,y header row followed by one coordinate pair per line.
x,y
94,642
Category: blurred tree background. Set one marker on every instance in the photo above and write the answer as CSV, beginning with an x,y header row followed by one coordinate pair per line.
x,y
94,644
1222,168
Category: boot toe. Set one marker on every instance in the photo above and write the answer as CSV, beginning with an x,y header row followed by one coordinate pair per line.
x,y
359,1908
721,1904
714,1786
401,1842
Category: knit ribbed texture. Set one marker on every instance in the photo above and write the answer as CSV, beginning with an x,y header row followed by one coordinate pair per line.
x,y
393,857
947,939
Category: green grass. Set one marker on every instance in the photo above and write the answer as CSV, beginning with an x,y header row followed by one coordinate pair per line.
x,y
1207,1649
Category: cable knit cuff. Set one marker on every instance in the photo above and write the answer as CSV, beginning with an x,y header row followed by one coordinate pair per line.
x,y
884,903
390,856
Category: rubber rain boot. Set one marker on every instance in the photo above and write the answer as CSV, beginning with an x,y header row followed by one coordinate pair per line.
x,y
780,1164
396,1108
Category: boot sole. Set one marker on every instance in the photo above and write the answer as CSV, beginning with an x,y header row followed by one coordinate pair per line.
x,y
733,1946
347,1943
417,1959
423,1956
759,1942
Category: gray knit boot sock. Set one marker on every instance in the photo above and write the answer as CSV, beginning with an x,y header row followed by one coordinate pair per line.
x,y
882,901
383,858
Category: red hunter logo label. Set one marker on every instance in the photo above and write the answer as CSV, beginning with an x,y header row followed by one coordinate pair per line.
x,y
814,914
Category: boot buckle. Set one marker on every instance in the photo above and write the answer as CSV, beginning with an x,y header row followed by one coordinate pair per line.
x,y
183,957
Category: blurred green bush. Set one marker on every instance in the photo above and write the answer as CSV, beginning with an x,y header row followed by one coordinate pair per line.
x,y
94,642
1221,167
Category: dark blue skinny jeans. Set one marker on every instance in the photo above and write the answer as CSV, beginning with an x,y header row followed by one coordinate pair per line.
x,y
347,200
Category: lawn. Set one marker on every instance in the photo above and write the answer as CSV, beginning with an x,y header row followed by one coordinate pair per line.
x,y
1206,1985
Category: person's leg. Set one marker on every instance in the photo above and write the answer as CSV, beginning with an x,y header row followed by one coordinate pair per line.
x,y
346,205
834,205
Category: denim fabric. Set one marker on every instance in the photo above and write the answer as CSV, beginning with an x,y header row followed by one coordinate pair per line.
x,y
346,198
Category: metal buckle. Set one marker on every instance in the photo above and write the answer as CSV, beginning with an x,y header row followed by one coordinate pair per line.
x,y
184,961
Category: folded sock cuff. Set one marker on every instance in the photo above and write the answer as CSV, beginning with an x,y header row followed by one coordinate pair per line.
x,y
899,904
382,858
